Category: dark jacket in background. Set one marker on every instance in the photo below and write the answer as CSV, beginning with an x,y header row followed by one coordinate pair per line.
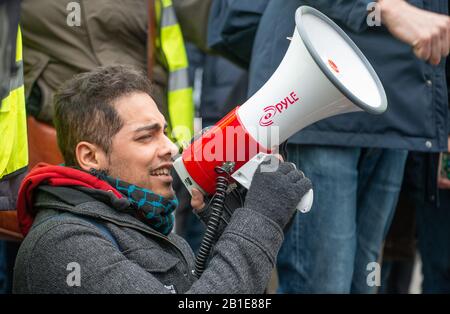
x,y
417,116
224,86
111,32
221,85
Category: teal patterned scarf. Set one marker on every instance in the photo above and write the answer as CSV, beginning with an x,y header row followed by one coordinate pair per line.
x,y
153,209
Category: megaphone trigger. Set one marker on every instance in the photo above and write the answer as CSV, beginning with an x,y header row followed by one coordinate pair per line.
x,y
306,202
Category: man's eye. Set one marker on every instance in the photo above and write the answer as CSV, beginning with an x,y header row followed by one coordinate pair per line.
x,y
145,137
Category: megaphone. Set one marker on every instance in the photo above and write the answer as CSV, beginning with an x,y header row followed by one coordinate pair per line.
x,y
322,74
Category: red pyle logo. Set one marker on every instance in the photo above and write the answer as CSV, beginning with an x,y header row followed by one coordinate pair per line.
x,y
271,111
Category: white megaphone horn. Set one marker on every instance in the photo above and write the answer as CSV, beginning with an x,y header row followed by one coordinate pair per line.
x,y
323,74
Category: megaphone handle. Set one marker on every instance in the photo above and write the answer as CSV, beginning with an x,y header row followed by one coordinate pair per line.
x,y
306,202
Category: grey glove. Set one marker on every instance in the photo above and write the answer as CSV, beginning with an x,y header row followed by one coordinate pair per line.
x,y
276,193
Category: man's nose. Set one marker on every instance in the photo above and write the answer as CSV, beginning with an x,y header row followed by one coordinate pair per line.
x,y
169,148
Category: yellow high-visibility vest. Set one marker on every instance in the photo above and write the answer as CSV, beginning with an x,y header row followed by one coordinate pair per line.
x,y
180,98
13,125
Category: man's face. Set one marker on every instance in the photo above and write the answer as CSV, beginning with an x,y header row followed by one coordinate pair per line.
x,y
141,153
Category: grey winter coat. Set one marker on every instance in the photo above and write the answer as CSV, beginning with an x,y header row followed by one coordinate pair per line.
x,y
136,259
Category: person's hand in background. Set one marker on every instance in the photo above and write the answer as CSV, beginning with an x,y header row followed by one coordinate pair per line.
x,y
427,32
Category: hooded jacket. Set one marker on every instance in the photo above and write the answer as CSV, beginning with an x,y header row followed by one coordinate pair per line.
x,y
64,213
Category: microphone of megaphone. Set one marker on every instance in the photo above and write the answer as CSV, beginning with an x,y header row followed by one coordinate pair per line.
x,y
322,74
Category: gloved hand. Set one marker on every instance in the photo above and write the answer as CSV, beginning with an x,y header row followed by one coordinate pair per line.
x,y
276,190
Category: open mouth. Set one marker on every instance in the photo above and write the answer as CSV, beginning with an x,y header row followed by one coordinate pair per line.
x,y
163,171
160,172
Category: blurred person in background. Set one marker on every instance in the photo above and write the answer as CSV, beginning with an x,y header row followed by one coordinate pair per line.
x,y
421,224
64,38
13,131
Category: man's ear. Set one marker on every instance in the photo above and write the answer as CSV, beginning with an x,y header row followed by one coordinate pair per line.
x,y
90,156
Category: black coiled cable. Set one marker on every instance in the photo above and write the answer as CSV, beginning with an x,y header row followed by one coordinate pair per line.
x,y
210,236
